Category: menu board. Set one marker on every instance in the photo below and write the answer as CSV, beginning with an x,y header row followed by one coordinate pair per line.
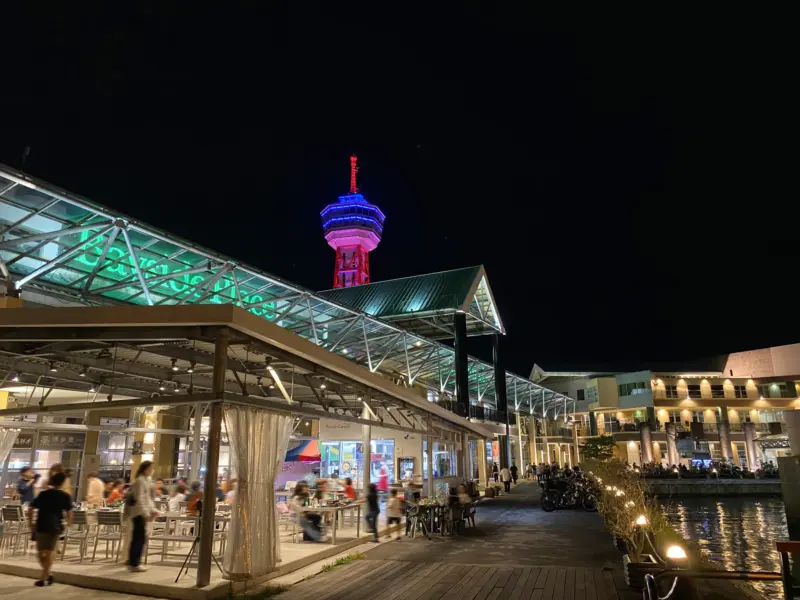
x,y
60,440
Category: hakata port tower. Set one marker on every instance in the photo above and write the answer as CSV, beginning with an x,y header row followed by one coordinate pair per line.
x,y
353,227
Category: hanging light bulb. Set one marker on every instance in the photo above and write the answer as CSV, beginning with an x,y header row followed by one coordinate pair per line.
x,y
191,367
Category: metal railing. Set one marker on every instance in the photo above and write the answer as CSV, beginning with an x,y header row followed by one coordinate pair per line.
x,y
683,579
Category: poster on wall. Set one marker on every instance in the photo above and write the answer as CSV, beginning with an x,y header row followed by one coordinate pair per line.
x,y
496,450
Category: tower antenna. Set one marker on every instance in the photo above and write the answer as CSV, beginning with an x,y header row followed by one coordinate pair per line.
x,y
353,171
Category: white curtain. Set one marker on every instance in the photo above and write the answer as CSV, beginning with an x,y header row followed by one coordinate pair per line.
x,y
7,439
258,441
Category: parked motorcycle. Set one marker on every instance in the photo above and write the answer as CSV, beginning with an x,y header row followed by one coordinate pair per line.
x,y
573,493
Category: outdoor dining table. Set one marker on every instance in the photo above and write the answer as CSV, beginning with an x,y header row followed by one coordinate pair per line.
x,y
334,510
170,517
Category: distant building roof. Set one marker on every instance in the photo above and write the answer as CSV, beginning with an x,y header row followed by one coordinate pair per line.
x,y
426,304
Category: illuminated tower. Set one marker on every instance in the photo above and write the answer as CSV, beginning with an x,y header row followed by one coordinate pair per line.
x,y
353,227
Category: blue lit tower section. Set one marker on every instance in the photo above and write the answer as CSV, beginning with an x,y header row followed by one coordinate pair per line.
x,y
353,227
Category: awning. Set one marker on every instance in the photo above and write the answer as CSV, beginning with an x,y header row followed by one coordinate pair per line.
x,y
306,452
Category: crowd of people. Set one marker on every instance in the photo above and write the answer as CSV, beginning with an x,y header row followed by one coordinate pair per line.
x,y
49,504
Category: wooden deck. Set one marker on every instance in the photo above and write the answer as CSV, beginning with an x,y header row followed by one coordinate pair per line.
x,y
407,580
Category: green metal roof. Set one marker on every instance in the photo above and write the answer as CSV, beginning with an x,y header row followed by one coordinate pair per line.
x,y
426,303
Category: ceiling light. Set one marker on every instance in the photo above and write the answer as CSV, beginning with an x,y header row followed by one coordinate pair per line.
x,y
15,378
83,373
307,423
418,344
92,389
191,367
322,386
345,351
272,386
161,386
53,367
174,366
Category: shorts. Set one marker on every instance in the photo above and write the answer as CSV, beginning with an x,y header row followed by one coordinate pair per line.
x,y
394,520
46,541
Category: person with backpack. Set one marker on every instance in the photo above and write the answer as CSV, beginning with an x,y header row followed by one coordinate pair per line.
x,y
52,505
140,509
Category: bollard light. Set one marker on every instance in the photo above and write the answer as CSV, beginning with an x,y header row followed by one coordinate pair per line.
x,y
641,521
676,553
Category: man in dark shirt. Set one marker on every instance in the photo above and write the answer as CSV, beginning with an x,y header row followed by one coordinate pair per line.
x,y
25,485
52,505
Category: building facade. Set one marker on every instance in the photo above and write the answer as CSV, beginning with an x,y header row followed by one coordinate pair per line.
x,y
735,412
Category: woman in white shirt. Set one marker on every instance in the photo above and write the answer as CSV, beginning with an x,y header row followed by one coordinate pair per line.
x,y
140,509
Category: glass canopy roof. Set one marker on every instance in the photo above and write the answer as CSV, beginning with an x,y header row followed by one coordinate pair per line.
x,y
69,247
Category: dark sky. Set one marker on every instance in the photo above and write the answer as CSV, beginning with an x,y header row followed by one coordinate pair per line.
x,y
624,177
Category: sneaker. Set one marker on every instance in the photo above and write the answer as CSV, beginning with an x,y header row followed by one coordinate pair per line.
x,y
39,583
139,569
324,539
50,580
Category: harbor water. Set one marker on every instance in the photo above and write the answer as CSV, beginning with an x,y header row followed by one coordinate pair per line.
x,y
735,532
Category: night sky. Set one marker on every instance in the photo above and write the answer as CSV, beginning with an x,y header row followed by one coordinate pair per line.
x,y
624,177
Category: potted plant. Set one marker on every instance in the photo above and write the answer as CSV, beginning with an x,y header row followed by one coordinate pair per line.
x,y
630,516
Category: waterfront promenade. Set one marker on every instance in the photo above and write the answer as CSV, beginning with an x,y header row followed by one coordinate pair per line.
x,y
516,552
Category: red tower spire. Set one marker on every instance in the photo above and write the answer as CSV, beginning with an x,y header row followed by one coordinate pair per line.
x,y
353,227
353,171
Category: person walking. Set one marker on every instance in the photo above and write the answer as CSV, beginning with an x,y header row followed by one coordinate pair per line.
x,y
52,505
394,513
495,472
373,511
26,486
514,472
140,509
505,477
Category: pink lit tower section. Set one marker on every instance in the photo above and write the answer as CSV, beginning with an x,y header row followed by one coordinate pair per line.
x,y
353,227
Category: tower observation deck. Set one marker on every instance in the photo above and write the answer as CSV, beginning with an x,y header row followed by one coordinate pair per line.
x,y
353,227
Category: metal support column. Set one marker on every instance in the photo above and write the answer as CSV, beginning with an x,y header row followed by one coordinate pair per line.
x,y
483,476
521,457
196,435
465,473
366,444
532,442
462,375
501,398
206,545
429,458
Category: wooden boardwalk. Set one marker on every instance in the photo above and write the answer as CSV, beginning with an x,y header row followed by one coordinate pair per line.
x,y
407,580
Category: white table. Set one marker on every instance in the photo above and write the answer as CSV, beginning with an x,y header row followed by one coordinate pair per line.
x,y
337,509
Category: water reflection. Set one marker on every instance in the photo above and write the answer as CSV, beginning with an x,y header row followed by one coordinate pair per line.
x,y
738,533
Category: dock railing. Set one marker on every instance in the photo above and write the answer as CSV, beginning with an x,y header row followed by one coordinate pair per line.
x,y
682,584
